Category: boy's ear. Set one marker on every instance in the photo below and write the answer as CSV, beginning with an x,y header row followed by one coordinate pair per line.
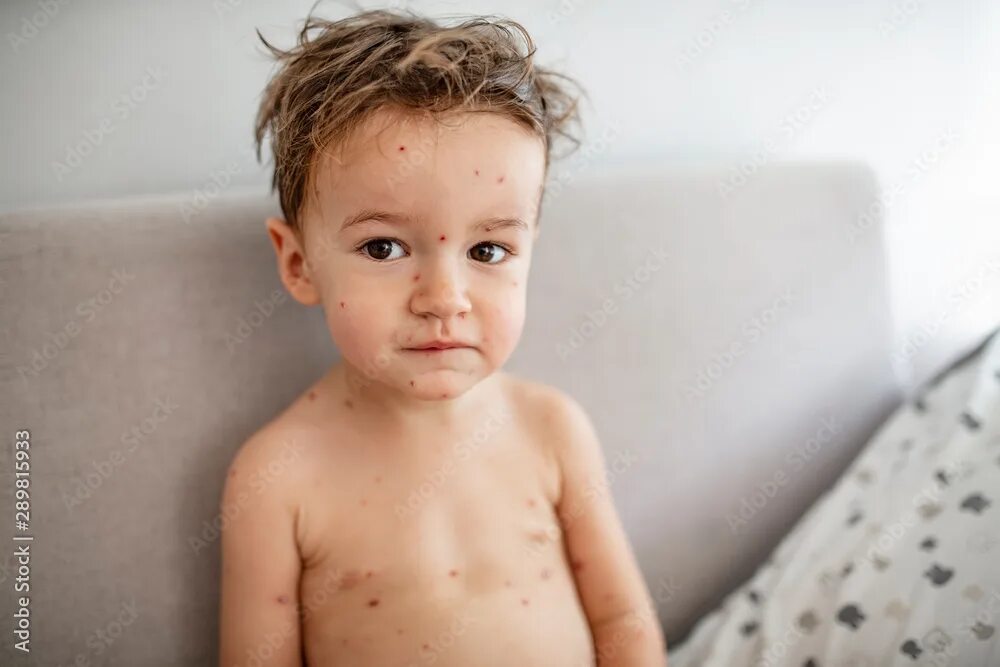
x,y
292,265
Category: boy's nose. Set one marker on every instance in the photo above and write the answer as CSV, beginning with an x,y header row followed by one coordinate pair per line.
x,y
440,292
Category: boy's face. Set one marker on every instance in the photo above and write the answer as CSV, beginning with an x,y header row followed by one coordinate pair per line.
x,y
418,233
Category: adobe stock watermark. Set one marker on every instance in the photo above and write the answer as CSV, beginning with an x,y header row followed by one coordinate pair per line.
x,y
752,331
86,312
86,484
638,621
32,25
971,286
121,108
103,638
461,451
260,480
792,124
626,288
900,13
431,651
706,36
878,209
620,463
218,181
795,461
581,161
253,320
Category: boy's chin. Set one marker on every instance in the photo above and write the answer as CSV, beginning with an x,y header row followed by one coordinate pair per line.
x,y
442,384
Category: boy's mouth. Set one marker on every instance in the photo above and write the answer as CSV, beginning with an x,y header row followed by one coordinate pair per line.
x,y
438,346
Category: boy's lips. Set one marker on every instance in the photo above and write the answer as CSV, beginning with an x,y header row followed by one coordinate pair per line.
x,y
438,346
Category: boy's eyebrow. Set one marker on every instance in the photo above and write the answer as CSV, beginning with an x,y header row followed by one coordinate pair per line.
x,y
368,214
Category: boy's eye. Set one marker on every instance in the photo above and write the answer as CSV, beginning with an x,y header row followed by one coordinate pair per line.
x,y
380,249
488,253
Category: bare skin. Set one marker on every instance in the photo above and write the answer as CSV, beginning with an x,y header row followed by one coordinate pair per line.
x,y
414,507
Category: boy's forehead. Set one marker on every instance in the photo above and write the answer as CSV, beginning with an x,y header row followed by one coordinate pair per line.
x,y
478,162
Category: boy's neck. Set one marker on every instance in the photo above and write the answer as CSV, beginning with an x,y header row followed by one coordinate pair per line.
x,y
409,411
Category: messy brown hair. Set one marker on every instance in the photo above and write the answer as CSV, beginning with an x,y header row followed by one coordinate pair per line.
x,y
341,72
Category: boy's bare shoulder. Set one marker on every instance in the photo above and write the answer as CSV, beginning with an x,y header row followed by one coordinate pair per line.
x,y
552,410
277,458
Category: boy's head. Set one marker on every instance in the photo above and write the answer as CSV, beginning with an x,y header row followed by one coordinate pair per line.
x,y
410,161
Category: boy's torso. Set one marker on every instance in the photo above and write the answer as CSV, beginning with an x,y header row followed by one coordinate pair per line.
x,y
440,548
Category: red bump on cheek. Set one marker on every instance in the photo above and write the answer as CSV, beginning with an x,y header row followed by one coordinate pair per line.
x,y
312,395
578,565
443,237
524,601
452,573
342,305
477,172
411,383
402,148
546,573
373,602
416,277
500,179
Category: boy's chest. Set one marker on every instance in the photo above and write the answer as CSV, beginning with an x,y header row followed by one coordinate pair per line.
x,y
469,520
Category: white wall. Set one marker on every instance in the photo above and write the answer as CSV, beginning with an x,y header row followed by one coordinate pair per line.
x,y
103,99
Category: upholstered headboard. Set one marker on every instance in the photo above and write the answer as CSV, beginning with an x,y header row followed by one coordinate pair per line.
x,y
730,337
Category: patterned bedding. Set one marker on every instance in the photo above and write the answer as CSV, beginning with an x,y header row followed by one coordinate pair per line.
x,y
899,562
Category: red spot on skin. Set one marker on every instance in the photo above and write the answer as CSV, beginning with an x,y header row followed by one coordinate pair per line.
x,y
343,642
312,395
500,179
348,403
373,602
399,631
507,583
378,479
368,574
444,395
578,565
546,573
411,383
342,305
531,502
524,601
477,172
515,283
232,473
364,503
426,647
283,599
452,573
416,277
443,237
402,148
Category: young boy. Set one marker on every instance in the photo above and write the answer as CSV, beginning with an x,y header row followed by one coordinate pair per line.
x,y
417,505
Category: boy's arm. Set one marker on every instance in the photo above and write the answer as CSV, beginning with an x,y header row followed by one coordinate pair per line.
x,y
259,618
619,608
